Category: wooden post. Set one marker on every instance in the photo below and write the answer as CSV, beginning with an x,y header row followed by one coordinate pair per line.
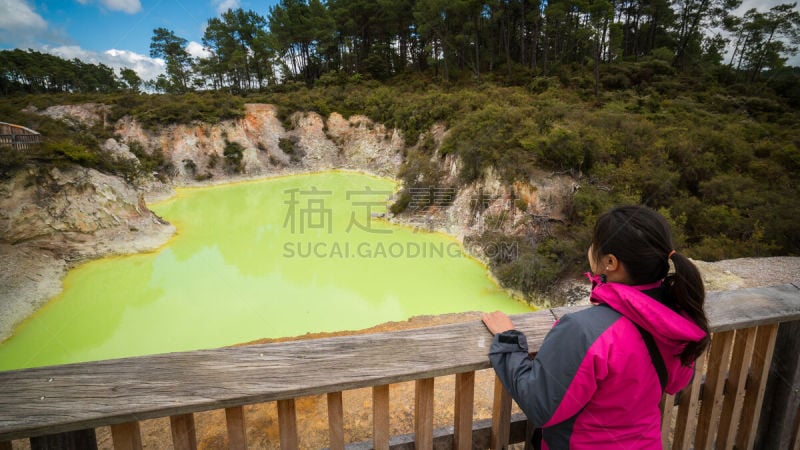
x,y
5,445
237,429
711,407
126,436
380,417
751,409
71,440
529,430
782,397
287,422
336,420
183,435
423,414
687,410
501,415
667,413
743,346
464,399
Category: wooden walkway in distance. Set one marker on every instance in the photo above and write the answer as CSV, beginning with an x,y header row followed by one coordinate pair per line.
x,y
122,392
18,137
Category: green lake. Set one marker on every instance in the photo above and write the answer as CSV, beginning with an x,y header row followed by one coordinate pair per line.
x,y
272,258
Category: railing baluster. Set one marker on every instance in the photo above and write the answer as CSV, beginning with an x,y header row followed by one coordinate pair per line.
x,y
5,445
380,417
287,422
71,440
743,346
423,414
529,429
781,404
126,436
751,410
501,415
796,445
183,435
464,399
237,428
711,406
667,413
336,420
687,410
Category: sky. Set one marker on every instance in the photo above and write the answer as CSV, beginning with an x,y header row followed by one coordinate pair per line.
x,y
117,32
113,32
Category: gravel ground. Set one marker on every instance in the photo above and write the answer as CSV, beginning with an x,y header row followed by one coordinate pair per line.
x,y
750,272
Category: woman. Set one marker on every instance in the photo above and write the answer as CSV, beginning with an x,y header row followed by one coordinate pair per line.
x,y
600,372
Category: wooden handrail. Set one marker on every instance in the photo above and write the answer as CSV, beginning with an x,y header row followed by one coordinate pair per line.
x,y
55,399
10,128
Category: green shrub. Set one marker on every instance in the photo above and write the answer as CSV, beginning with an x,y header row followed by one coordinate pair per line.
x,y
290,147
401,204
233,154
71,152
562,149
10,162
213,159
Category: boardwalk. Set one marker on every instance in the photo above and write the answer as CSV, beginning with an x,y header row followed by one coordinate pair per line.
x,y
18,137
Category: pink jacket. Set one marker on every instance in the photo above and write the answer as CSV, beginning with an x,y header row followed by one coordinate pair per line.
x,y
593,383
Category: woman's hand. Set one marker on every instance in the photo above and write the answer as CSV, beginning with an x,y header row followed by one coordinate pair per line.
x,y
497,322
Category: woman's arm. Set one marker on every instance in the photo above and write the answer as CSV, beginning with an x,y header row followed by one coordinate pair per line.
x,y
554,385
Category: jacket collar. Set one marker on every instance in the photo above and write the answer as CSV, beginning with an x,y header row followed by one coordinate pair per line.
x,y
662,322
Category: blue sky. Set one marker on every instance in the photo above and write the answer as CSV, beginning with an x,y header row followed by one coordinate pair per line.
x,y
114,32
117,32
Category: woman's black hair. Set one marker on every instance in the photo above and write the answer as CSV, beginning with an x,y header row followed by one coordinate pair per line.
x,y
641,240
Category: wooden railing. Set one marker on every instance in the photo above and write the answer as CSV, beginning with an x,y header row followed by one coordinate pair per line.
x,y
741,395
18,137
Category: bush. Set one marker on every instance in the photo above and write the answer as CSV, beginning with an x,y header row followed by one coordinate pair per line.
x,y
156,110
69,151
10,162
401,204
233,154
562,150
290,147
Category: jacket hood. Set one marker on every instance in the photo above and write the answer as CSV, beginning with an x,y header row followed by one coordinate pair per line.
x,y
663,323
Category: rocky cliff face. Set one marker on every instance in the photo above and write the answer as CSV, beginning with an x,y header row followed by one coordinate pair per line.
x,y
60,209
197,152
51,218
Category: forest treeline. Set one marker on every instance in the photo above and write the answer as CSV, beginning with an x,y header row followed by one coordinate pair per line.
x,y
313,41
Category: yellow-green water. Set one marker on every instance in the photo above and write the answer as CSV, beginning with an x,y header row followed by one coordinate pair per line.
x,y
274,258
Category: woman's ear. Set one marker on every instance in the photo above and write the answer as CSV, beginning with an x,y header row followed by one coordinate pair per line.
x,y
614,270
610,262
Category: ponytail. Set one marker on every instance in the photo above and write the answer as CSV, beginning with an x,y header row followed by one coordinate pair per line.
x,y
688,293
642,241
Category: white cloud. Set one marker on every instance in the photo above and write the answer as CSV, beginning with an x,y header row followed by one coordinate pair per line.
x,y
197,50
224,5
146,67
127,6
17,20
